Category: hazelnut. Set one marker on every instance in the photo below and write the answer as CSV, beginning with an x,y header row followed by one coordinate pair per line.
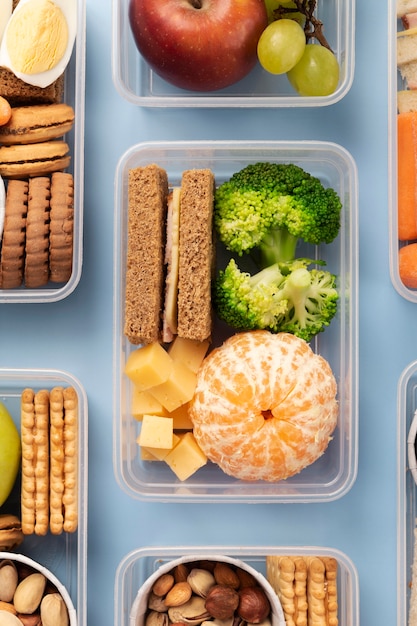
x,y
226,575
222,602
253,605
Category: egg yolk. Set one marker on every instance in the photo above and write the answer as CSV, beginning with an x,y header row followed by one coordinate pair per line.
x,y
37,37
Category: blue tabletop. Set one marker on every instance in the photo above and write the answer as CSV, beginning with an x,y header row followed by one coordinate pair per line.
x,y
75,334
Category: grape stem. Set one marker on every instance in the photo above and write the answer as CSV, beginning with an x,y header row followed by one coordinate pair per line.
x,y
313,27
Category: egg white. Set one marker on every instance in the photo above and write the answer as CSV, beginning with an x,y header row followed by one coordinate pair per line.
x,y
6,7
43,79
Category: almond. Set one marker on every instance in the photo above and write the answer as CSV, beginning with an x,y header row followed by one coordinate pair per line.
x,y
179,594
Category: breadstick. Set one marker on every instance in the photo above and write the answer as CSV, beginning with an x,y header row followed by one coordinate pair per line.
x,y
41,442
57,460
27,427
70,496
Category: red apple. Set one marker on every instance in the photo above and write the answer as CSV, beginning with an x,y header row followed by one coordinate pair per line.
x,y
200,45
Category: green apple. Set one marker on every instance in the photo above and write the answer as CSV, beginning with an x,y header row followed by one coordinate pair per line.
x,y
10,453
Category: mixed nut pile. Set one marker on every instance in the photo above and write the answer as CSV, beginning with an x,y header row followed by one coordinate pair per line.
x,y
207,591
27,598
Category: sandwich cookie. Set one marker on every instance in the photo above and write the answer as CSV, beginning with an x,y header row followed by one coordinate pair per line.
x,y
12,258
37,159
37,232
37,123
61,227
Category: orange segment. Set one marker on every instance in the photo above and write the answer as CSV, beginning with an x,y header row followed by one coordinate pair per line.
x,y
265,406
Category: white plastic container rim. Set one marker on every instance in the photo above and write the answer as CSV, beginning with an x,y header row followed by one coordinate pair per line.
x,y
139,606
21,558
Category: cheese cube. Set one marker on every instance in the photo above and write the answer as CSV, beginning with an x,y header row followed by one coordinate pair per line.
x,y
186,458
181,418
160,453
147,456
178,389
188,351
145,403
156,432
148,366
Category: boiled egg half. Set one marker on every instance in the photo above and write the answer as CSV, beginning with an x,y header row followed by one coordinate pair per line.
x,y
38,40
6,8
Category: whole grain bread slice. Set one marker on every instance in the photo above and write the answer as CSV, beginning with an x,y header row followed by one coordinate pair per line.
x,y
147,206
196,255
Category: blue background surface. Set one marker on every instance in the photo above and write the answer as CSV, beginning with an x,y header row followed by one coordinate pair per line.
x,y
76,333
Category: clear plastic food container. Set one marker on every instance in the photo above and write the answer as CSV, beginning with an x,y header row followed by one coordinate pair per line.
x,y
407,488
334,473
74,95
34,567
395,84
135,81
65,555
136,567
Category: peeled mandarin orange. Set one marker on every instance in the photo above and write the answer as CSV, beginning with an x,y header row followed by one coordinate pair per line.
x,y
265,406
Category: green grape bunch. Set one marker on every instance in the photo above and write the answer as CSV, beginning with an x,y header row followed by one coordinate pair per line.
x,y
294,44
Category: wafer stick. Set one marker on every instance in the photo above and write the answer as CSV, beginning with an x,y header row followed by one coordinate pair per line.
x,y
57,460
332,600
316,592
306,587
300,589
70,496
41,442
27,426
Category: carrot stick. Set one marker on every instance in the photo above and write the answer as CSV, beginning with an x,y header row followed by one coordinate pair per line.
x,y
407,264
5,111
407,175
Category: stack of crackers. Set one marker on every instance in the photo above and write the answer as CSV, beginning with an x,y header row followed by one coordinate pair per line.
x,y
38,231
306,587
49,432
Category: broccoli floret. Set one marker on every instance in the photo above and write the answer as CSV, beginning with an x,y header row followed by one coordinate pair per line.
x,y
248,302
312,300
270,206
285,297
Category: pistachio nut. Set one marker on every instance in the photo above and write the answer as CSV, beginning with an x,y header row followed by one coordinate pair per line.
x,y
8,580
53,610
29,592
156,603
8,619
32,619
192,613
200,581
155,618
